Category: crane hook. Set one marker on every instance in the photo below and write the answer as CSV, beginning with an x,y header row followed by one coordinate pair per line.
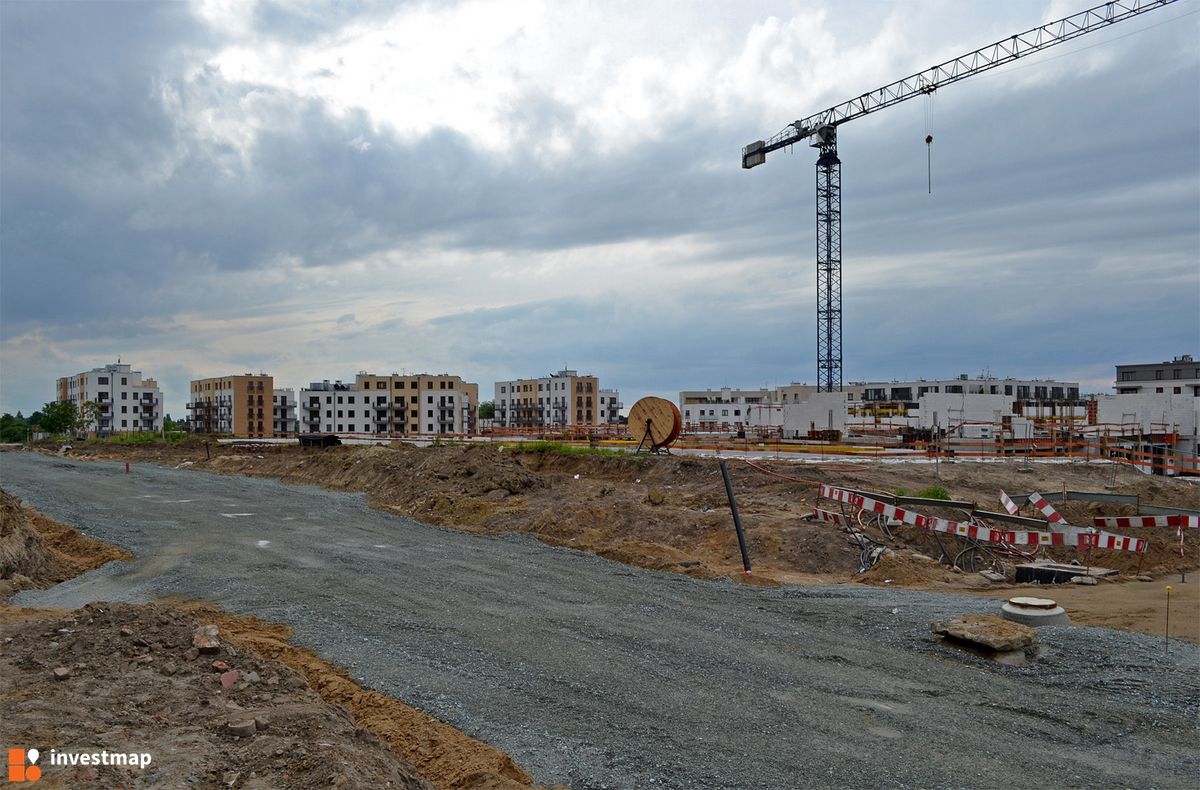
x,y
929,161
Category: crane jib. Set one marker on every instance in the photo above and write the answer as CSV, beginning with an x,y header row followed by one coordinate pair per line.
x,y
823,128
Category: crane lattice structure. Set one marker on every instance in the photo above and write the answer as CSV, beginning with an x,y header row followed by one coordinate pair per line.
x,y
822,128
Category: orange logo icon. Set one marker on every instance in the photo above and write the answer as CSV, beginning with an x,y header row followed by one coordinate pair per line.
x,y
18,771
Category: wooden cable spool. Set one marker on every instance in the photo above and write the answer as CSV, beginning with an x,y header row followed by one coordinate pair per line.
x,y
655,422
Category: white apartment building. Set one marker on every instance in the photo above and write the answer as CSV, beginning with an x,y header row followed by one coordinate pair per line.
x,y
127,401
390,405
610,406
562,399
801,409
1180,376
283,411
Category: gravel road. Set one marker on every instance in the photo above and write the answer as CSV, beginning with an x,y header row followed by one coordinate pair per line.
x,y
595,674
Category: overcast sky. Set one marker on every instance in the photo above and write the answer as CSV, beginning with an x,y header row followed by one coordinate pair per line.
x,y
495,189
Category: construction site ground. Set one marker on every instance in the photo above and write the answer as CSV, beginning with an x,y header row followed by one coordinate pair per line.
x,y
593,673
671,513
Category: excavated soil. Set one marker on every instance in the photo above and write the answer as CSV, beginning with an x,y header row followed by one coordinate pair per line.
x,y
132,685
38,552
671,513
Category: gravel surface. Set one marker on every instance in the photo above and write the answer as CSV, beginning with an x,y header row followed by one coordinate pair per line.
x,y
596,674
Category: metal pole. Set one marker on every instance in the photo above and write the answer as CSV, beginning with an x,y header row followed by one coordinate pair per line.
x,y
1167,630
737,521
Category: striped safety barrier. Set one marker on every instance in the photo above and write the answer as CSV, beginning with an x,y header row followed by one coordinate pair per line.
x,y
831,518
1009,505
1082,538
1131,522
1052,515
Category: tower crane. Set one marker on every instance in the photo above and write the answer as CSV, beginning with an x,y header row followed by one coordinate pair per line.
x,y
822,128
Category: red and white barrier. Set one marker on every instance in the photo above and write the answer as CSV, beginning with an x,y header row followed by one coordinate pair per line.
x,y
1083,538
1132,522
831,518
1052,515
1009,505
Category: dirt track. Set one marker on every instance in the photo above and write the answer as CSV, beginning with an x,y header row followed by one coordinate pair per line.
x,y
593,673
670,513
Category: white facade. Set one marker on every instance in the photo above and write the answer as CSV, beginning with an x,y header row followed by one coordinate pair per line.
x,y
283,411
561,399
728,407
128,402
610,406
1016,389
401,408
1180,376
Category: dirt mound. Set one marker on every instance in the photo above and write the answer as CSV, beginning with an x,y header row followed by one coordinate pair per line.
x,y
438,751
39,552
23,554
227,718
906,569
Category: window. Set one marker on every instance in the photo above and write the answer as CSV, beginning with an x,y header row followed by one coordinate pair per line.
x,y
340,413
351,399
339,428
430,413
1127,375
124,381
413,384
124,409
351,425
124,396
1179,390
429,399
1158,389
339,398
1177,373
124,424
102,379
1158,374
381,385
329,399
416,399
429,385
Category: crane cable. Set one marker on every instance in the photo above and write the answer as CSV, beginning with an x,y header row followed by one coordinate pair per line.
x,y
929,137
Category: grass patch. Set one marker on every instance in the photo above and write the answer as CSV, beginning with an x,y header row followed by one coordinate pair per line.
x,y
563,449
140,438
932,492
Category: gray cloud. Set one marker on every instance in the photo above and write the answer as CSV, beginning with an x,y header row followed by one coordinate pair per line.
x,y
1061,232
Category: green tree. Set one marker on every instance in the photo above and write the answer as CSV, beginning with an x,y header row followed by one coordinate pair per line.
x,y
58,417
487,410
88,418
14,429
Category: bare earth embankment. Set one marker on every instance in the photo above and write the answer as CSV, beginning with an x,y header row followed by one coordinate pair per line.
x,y
252,710
670,513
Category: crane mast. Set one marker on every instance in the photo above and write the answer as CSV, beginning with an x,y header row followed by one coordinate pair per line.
x,y
821,129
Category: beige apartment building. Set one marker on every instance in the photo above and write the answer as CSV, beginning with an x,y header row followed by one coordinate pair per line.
x,y
421,404
245,406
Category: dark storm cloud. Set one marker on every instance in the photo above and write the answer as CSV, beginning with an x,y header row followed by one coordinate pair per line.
x,y
115,201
